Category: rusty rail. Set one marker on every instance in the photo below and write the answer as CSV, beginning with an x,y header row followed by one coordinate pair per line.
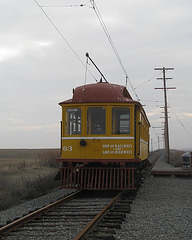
x,y
21,221
97,218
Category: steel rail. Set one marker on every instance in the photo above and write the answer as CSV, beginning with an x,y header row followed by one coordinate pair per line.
x,y
21,221
92,224
153,158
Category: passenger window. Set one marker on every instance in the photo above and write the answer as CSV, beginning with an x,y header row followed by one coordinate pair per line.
x,y
73,121
96,118
120,120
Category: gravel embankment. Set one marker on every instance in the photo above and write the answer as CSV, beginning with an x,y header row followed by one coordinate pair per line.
x,y
22,209
162,210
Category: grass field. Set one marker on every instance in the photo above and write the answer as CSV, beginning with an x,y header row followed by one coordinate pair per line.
x,y
11,159
29,173
26,174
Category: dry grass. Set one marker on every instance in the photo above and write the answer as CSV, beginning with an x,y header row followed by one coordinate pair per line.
x,y
29,173
26,174
176,158
14,159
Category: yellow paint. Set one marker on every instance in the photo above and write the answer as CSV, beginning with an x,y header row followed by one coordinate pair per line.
x,y
109,145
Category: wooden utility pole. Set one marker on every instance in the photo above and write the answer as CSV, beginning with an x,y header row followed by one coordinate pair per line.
x,y
166,129
158,142
157,137
151,145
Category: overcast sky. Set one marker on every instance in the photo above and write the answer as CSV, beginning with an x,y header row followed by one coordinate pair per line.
x,y
38,69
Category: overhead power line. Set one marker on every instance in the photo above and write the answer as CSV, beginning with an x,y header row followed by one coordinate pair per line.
x,y
67,5
181,122
112,45
93,5
148,80
62,36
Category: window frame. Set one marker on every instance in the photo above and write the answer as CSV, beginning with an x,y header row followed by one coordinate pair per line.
x,y
70,124
114,126
89,124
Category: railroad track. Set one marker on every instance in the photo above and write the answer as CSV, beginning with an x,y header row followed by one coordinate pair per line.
x,y
63,219
154,157
98,216
17,224
110,218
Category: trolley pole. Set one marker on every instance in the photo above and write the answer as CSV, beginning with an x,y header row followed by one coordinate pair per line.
x,y
166,129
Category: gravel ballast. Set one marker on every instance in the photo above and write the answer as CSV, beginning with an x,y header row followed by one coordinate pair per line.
x,y
24,208
162,210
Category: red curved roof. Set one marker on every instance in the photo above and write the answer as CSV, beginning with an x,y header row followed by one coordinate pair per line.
x,y
100,92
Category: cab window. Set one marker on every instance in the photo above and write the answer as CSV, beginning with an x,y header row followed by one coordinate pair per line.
x,y
73,121
120,120
96,118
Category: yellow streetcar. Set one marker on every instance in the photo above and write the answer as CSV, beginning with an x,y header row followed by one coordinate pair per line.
x,y
104,140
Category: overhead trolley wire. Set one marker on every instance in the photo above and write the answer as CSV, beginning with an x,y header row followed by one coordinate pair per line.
x,y
93,6
148,80
62,36
181,122
70,5
112,45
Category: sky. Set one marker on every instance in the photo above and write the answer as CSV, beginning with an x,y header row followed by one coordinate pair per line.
x,y
42,58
